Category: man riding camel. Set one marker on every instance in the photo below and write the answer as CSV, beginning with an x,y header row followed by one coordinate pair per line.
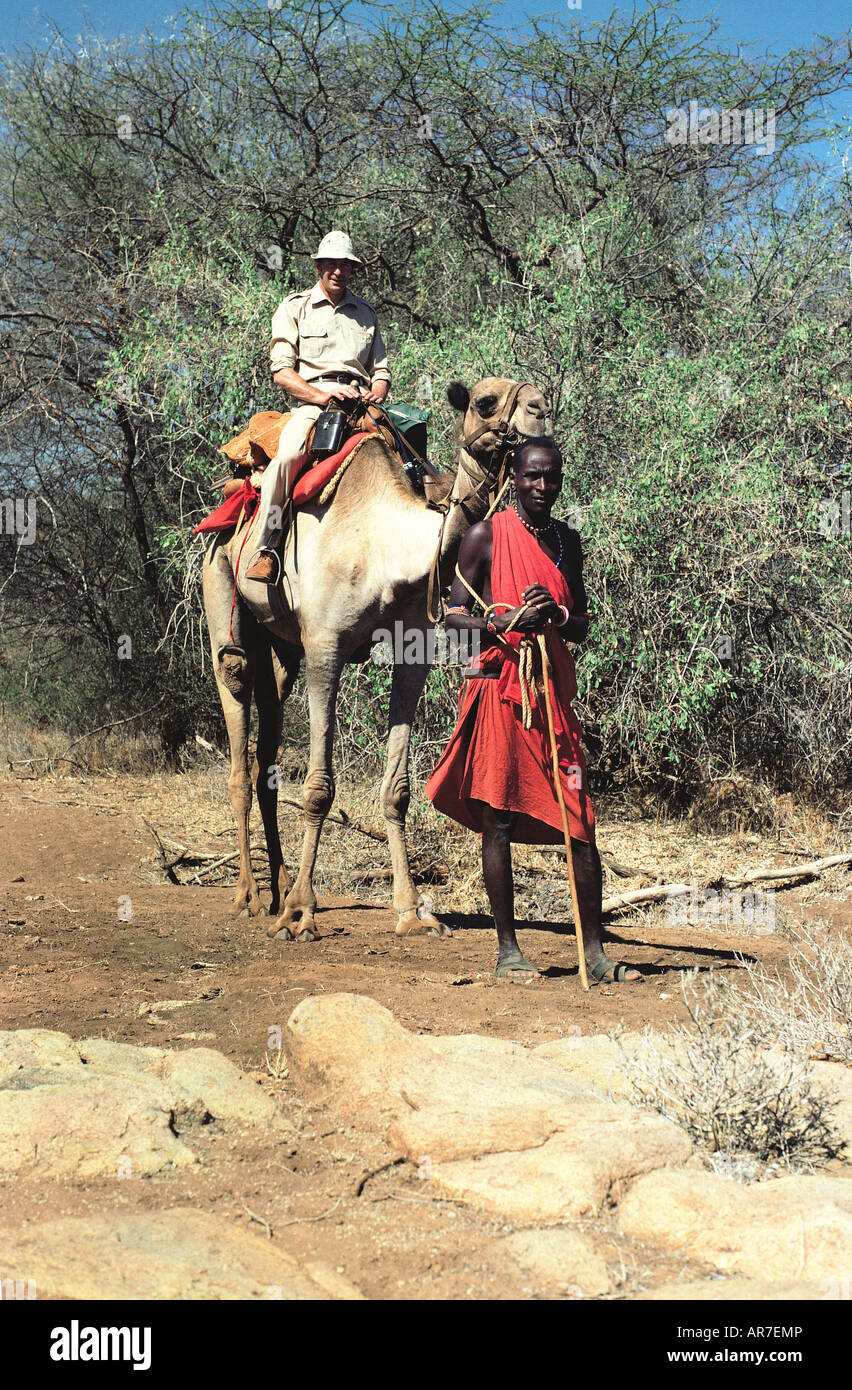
x,y
496,774
326,347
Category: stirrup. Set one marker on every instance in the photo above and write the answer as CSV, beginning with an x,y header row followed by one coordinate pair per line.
x,y
265,550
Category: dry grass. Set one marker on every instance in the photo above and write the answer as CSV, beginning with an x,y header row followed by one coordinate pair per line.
x,y
715,1078
124,765
809,1013
191,809
30,751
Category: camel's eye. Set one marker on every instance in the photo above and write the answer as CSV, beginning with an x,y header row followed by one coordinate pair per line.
x,y
486,405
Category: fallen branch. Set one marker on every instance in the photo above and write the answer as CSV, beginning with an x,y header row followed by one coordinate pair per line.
x,y
306,1220
209,748
42,758
672,890
254,1216
811,870
374,1173
166,865
114,724
199,855
341,818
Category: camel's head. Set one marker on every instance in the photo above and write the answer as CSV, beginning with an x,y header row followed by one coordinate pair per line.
x,y
495,412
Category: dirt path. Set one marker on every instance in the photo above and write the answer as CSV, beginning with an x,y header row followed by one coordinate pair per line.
x,y
75,858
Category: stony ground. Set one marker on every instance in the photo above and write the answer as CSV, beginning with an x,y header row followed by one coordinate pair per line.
x,y
303,1121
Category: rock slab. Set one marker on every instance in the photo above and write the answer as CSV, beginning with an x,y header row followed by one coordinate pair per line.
x,y
560,1259
176,1254
489,1122
99,1108
786,1229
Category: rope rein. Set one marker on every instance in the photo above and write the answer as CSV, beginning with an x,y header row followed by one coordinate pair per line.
x,y
526,649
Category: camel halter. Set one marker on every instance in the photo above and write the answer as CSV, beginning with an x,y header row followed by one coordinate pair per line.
x,y
502,426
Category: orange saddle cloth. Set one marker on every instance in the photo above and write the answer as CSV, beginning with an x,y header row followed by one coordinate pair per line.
x,y
244,499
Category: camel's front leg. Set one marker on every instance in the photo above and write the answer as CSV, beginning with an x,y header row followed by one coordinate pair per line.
x,y
322,672
415,916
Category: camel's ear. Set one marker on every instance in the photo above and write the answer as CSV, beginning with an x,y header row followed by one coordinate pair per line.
x,y
458,396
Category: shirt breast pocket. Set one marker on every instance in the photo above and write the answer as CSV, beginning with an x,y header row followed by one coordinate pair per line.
x,y
364,340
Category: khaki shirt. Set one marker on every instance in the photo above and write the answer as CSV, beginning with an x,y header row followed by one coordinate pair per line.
x,y
315,337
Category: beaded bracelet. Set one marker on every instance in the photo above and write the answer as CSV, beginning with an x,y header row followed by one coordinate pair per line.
x,y
460,609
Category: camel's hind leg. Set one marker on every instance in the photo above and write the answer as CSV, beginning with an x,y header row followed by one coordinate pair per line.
x,y
233,640
415,917
276,672
322,670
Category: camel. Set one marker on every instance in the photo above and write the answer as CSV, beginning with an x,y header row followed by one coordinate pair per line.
x,y
350,567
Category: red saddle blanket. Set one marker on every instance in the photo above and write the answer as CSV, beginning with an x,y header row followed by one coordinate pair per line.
x,y
310,485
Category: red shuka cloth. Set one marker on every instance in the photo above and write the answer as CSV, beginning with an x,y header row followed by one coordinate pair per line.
x,y
491,758
309,486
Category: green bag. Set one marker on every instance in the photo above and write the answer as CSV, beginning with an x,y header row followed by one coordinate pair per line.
x,y
410,420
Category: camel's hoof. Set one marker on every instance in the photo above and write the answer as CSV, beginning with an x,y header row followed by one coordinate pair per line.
x,y
280,933
307,935
410,924
250,910
436,927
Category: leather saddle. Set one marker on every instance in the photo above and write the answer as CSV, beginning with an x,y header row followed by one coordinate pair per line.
x,y
362,419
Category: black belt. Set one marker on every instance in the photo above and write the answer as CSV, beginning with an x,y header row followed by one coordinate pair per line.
x,y
346,377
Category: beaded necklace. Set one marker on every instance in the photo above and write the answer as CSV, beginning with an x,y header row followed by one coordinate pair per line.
x,y
539,531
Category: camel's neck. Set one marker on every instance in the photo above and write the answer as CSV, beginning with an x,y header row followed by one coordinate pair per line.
x,y
469,500
404,532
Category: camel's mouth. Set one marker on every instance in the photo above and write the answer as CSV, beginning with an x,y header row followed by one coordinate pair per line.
x,y
543,432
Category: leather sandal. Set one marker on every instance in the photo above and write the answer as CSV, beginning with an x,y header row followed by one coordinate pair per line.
x,y
604,965
518,970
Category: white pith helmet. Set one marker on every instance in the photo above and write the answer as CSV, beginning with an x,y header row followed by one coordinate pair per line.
x,y
336,246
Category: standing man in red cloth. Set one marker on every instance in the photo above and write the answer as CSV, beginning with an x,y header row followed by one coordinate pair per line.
x,y
496,775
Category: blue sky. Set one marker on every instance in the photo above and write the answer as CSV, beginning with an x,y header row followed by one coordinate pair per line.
x,y
773,25
766,23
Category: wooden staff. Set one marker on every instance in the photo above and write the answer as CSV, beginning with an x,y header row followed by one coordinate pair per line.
x,y
575,902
